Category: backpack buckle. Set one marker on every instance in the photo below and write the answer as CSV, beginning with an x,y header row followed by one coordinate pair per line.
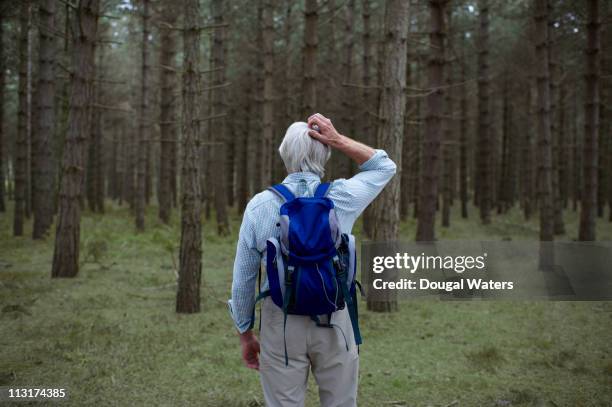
x,y
340,271
289,278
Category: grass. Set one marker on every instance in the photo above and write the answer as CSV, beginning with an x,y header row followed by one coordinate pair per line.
x,y
111,335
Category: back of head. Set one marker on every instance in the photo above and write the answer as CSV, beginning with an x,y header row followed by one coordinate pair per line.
x,y
300,152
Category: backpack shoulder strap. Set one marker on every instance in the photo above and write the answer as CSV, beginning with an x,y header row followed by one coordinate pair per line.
x,y
282,191
322,190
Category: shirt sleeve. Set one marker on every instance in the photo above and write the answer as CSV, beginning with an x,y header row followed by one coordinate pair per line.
x,y
246,269
351,196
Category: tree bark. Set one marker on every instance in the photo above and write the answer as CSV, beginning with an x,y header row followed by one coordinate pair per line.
x,y
554,72
219,109
21,143
390,136
190,257
30,112
544,151
463,140
528,155
242,143
43,169
366,102
268,91
407,149
603,178
448,145
507,178
143,126
418,136
97,134
2,141
591,123
347,107
168,113
484,183
115,171
66,253
577,156
309,88
558,159
433,126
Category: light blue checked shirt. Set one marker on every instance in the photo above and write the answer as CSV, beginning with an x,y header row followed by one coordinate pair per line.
x,y
350,197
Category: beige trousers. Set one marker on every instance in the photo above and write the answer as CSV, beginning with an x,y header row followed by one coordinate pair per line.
x,y
309,347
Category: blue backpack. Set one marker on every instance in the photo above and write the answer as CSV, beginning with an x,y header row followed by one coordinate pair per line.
x,y
311,265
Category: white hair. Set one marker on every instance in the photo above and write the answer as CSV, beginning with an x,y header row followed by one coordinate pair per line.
x,y
300,152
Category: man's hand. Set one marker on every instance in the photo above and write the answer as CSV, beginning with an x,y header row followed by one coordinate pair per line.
x,y
250,349
327,133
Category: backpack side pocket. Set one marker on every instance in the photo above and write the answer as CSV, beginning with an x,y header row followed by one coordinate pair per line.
x,y
275,269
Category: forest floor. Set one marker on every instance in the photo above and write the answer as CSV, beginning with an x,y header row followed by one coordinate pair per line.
x,y
111,336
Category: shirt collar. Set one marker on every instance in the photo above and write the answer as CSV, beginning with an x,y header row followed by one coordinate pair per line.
x,y
301,176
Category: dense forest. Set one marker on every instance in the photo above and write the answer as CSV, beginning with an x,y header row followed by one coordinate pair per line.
x,y
133,134
485,105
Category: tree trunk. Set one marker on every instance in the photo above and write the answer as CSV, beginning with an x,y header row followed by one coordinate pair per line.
x,y
433,126
347,107
242,173
30,112
418,137
366,102
143,127
558,145
507,181
463,141
577,154
131,167
328,79
591,123
564,159
484,136
43,170
190,257
66,254
407,149
115,173
289,90
95,161
228,188
2,141
609,129
268,91
544,151
309,84
389,136
553,65
168,113
21,143
448,144
603,179
97,134
528,155
218,109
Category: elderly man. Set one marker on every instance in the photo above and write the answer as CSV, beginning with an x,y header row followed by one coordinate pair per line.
x,y
305,150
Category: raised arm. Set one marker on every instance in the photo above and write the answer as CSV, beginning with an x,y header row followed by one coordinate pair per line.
x,y
327,134
353,195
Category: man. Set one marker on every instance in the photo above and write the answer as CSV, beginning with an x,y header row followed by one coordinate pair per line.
x,y
305,150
